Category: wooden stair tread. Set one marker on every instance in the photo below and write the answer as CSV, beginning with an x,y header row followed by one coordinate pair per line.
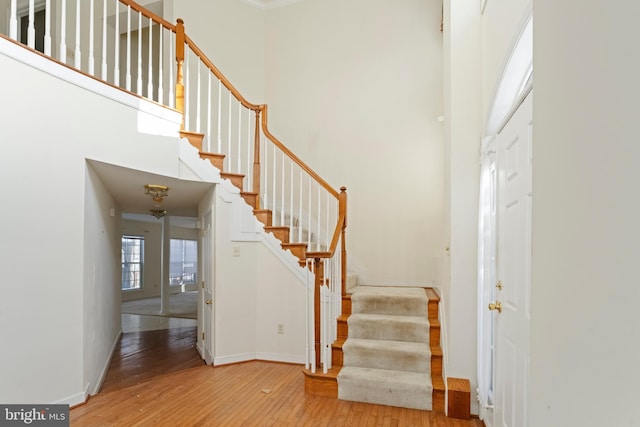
x,y
315,254
294,245
436,351
331,373
432,295
276,227
231,174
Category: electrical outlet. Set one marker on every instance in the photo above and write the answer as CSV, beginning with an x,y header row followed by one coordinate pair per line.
x,y
236,251
280,328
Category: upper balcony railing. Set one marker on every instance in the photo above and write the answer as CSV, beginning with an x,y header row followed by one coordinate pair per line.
x,y
133,48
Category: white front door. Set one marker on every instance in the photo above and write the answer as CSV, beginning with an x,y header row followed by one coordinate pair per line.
x,y
207,285
514,155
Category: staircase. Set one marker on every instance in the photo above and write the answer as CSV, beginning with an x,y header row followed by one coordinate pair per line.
x,y
387,351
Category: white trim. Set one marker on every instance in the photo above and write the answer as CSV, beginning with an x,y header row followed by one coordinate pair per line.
x,y
266,357
514,76
105,369
418,283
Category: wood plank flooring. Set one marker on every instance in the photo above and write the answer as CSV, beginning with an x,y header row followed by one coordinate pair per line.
x,y
144,355
248,394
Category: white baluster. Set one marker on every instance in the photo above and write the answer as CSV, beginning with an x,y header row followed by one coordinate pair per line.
x,y
150,73
249,151
326,237
139,79
198,112
306,332
299,225
77,63
160,65
63,31
309,216
239,137
209,112
172,58
13,20
31,28
229,163
47,28
116,47
291,198
282,193
265,180
219,116
187,86
103,72
128,75
91,25
274,196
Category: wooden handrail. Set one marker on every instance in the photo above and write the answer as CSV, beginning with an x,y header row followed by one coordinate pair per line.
x,y
292,156
340,228
146,12
220,76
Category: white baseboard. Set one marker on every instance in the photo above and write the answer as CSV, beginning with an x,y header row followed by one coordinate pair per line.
x,y
105,368
268,357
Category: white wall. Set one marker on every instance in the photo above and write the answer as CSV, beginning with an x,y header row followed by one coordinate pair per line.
x,y
463,129
101,280
355,88
231,35
43,234
585,293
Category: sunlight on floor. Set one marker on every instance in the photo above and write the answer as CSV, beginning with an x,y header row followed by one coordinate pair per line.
x,y
137,323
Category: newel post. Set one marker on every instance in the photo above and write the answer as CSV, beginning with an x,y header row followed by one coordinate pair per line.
x,y
256,160
179,72
342,204
319,274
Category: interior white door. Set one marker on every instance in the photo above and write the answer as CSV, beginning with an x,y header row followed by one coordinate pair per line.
x,y
207,286
512,305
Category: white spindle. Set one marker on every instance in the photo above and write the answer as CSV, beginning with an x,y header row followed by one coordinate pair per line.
x,y
274,196
150,61
291,198
311,323
198,121
31,27
63,31
208,112
103,69
128,75
300,211
219,116
91,59
172,43
187,86
47,28
306,332
229,163
13,20
77,55
326,230
116,68
282,193
239,137
160,64
265,180
139,73
249,171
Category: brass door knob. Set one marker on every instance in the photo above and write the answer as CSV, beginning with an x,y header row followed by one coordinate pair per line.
x,y
209,302
495,306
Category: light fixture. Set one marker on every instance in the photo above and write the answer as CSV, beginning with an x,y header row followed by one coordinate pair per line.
x,y
158,213
157,192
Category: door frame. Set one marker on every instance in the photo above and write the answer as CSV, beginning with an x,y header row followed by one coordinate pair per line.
x,y
514,85
206,333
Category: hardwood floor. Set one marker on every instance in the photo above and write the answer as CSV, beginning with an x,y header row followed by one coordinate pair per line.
x,y
141,356
248,394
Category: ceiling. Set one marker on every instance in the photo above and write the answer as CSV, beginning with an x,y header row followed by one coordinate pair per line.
x,y
127,189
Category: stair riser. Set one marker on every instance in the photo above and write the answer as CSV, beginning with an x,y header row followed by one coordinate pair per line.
x,y
433,309
236,180
436,366
388,330
384,393
337,356
434,336
250,199
265,217
346,305
388,358
343,329
382,304
280,234
215,159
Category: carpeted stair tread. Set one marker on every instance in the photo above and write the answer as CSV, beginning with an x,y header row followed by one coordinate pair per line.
x,y
385,354
385,387
389,327
389,300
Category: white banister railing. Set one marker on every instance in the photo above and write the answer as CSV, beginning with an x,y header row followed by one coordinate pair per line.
x,y
157,55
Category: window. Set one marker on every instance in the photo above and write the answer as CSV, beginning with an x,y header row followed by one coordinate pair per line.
x,y
184,262
132,258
